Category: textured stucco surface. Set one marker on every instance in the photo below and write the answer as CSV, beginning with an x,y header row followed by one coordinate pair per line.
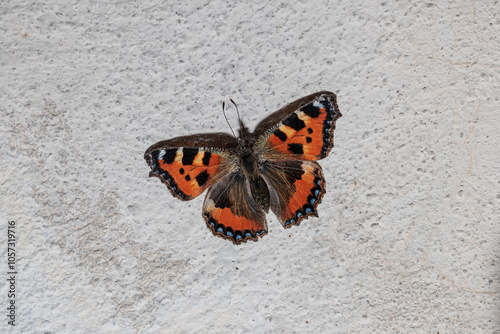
x,y
408,236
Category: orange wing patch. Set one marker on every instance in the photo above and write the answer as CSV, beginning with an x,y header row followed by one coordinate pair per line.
x,y
187,172
306,134
238,229
231,213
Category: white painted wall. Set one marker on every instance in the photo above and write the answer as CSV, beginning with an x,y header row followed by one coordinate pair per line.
x,y
408,236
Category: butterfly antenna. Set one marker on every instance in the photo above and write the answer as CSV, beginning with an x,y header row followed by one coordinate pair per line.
x,y
224,112
239,118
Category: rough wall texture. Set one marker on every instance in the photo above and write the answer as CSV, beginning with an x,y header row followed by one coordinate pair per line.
x,y
408,235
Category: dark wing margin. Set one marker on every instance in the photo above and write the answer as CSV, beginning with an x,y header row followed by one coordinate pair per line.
x,y
214,140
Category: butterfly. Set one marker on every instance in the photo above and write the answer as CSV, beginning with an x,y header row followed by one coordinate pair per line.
x,y
273,167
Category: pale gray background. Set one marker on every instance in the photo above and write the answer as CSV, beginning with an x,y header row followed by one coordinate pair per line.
x,y
408,235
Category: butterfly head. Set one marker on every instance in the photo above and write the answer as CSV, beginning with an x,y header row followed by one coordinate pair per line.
x,y
244,139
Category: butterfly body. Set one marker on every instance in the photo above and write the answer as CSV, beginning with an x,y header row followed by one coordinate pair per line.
x,y
272,168
258,188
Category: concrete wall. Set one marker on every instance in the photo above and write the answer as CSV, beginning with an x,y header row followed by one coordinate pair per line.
x,y
408,236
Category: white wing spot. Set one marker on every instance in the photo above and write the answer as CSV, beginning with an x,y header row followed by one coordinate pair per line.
x,y
318,104
161,154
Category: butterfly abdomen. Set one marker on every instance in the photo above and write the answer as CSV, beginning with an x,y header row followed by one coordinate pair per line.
x,y
260,193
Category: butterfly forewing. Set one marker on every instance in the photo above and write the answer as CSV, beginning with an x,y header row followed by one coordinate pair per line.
x,y
188,170
305,133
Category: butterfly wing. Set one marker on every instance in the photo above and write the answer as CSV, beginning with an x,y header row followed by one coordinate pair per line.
x,y
231,212
189,165
302,133
296,189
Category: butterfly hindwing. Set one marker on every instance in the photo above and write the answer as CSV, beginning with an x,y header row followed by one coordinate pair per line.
x,y
187,170
296,189
231,212
305,131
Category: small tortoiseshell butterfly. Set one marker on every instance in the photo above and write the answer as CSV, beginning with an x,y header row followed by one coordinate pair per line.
x,y
273,167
